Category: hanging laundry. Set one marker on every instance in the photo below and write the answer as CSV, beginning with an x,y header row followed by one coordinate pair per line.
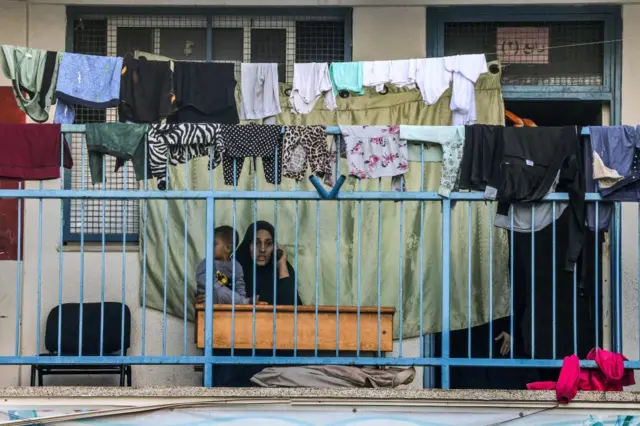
x,y
616,161
375,152
205,93
252,140
139,54
376,74
452,140
532,158
310,81
32,151
611,376
65,113
605,210
333,159
346,76
432,78
466,70
125,142
527,169
173,144
33,74
304,146
146,90
606,177
88,80
523,215
260,91
481,159
402,73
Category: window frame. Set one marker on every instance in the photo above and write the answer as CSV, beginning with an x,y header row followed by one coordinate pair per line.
x,y
77,12
611,16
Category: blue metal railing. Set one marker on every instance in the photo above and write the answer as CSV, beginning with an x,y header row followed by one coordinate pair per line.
x,y
338,196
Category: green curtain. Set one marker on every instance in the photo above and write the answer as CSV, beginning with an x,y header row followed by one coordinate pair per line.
x,y
358,241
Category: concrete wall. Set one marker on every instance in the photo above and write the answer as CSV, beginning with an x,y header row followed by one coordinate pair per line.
x,y
630,116
380,31
389,33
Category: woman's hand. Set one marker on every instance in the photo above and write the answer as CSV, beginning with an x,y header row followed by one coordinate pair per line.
x,y
506,343
283,255
283,269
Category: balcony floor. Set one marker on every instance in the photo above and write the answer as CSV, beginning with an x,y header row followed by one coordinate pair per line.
x,y
426,396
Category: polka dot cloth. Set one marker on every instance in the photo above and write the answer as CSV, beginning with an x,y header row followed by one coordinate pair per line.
x,y
252,140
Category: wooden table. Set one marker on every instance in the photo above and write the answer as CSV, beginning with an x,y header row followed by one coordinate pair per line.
x,y
306,327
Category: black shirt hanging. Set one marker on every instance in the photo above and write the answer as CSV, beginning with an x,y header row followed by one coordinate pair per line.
x,y
146,90
205,93
521,164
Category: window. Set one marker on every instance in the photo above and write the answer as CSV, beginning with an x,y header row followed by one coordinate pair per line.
x,y
270,46
261,37
521,47
552,52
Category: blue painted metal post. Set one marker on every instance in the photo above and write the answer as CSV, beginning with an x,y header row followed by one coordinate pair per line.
x,y
446,260
208,300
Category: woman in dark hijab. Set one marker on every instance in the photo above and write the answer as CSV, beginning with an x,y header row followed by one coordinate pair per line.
x,y
257,254
266,250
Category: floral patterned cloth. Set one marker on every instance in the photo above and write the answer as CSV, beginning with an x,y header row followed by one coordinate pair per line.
x,y
376,152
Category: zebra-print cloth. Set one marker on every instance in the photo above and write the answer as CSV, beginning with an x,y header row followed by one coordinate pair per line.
x,y
177,143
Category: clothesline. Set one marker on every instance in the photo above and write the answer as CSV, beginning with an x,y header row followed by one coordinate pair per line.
x,y
331,130
149,91
80,128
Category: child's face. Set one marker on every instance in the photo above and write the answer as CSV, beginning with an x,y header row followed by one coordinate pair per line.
x,y
221,250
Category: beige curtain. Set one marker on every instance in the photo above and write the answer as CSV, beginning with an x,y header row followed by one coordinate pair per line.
x,y
351,249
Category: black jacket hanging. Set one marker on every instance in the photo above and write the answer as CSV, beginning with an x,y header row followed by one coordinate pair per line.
x,y
530,164
515,165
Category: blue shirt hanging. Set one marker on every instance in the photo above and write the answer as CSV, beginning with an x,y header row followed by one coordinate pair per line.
x,y
92,81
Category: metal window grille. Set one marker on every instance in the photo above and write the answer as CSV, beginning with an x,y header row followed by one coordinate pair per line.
x,y
575,54
281,39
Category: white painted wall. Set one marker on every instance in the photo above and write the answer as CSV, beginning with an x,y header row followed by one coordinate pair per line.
x,y
381,30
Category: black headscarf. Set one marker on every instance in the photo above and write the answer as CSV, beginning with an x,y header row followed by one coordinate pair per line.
x,y
265,273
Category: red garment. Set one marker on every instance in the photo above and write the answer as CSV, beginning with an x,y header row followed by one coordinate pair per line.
x,y
567,386
612,373
32,151
611,376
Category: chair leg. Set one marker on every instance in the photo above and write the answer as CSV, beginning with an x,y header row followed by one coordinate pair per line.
x,y
129,375
33,375
40,377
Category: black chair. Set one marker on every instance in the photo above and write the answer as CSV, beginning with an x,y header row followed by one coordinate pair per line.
x,y
91,315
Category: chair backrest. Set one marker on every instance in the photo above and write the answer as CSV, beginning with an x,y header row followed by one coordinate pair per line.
x,y
91,316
